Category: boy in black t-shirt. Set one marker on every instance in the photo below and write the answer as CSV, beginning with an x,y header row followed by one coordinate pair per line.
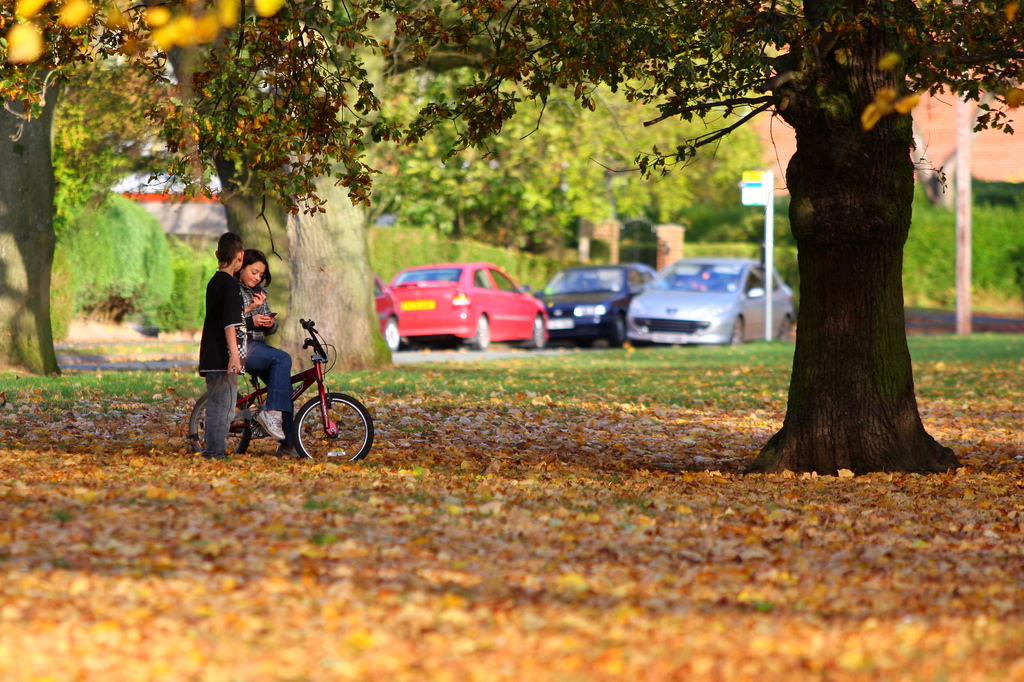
x,y
220,361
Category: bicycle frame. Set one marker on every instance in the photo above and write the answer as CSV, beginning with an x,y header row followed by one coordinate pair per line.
x,y
306,378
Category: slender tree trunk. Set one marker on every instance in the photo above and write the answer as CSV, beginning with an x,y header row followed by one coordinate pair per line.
x,y
332,283
26,238
851,400
244,199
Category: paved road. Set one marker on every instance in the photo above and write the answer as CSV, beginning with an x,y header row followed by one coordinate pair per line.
x,y
85,363
918,322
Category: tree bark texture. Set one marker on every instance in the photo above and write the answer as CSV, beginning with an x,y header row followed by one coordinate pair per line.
x,y
26,238
244,198
332,283
851,398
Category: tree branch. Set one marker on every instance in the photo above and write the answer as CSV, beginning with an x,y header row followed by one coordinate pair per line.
x,y
707,106
441,62
719,134
992,56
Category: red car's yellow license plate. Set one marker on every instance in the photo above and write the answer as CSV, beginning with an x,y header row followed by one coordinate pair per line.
x,y
419,304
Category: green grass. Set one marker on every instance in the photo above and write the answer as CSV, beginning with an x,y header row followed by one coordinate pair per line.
x,y
720,377
132,349
74,388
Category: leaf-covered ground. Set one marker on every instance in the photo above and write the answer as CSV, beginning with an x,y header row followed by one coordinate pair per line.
x,y
574,518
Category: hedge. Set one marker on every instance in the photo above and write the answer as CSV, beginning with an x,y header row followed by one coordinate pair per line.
x,y
113,260
393,249
191,269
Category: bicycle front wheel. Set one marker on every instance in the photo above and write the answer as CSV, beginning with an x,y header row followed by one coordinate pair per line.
x,y
347,434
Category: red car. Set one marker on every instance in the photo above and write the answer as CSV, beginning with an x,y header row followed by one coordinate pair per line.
x,y
473,301
387,314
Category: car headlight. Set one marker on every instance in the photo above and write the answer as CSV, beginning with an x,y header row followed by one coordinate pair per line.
x,y
590,310
712,313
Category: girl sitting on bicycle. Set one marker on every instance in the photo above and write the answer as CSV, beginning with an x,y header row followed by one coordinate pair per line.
x,y
273,363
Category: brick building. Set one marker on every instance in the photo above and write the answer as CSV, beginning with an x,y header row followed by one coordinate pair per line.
x,y
995,156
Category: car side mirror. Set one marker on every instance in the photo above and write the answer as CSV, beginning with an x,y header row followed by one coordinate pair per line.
x,y
755,292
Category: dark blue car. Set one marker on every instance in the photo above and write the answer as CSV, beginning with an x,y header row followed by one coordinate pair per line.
x,y
589,302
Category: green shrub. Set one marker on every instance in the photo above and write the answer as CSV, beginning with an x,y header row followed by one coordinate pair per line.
x,y
929,271
118,258
393,249
62,298
1008,194
191,270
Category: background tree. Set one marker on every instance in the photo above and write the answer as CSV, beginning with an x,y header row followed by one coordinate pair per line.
x,y
843,74
26,238
283,93
530,184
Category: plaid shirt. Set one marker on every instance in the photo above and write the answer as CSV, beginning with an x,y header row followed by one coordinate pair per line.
x,y
251,331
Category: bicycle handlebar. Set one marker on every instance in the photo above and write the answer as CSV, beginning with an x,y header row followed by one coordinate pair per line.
x,y
310,327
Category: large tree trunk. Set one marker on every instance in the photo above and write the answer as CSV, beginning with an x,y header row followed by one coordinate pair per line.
x,y
244,199
851,400
332,283
26,238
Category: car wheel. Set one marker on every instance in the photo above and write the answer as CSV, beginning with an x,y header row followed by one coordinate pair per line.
x,y
618,336
786,329
391,335
736,338
538,336
482,339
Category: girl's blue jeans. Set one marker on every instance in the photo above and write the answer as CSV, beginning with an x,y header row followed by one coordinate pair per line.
x,y
276,366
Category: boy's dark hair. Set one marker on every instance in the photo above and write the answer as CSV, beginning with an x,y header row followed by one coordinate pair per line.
x,y
228,247
256,256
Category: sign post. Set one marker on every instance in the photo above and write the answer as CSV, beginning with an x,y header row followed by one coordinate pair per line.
x,y
758,189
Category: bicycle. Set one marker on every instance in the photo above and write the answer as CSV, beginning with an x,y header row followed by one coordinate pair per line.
x,y
327,426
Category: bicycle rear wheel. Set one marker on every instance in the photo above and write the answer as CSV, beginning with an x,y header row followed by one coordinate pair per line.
x,y
350,422
197,429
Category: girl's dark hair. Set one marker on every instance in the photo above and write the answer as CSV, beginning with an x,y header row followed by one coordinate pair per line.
x,y
228,247
256,256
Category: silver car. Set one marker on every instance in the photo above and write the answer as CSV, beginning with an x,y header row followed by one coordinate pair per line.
x,y
709,300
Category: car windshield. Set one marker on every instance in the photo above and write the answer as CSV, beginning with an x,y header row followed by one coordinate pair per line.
x,y
700,277
428,275
586,281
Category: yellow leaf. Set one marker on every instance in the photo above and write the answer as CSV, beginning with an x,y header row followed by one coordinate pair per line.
x,y
268,8
889,61
84,494
572,582
227,12
360,639
1011,10
26,9
158,16
75,13
870,116
684,509
453,601
1014,98
885,95
116,20
207,28
24,44
184,30
845,473
906,104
